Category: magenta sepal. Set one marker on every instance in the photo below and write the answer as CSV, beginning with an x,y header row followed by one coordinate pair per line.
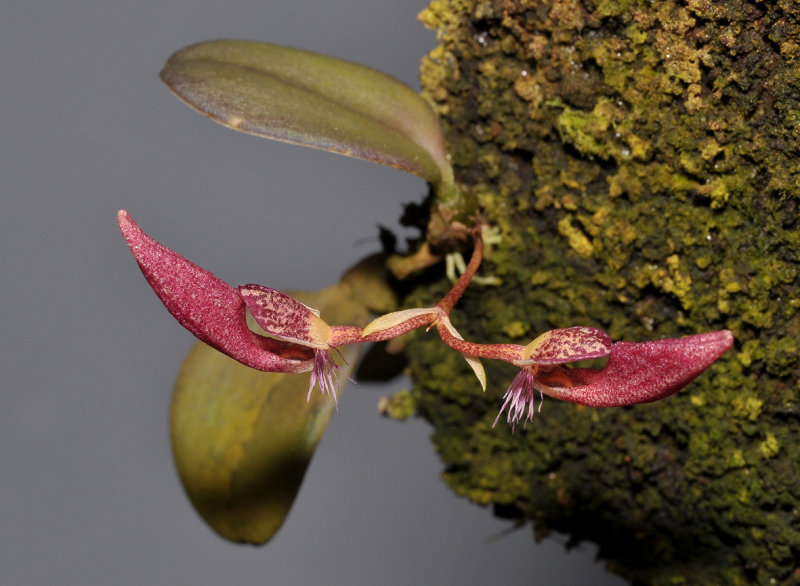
x,y
208,307
644,372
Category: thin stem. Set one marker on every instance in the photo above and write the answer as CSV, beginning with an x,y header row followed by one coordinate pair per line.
x,y
458,289
341,335
506,352
401,328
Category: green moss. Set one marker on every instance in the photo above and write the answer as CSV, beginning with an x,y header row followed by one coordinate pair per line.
x,y
770,446
639,160
401,405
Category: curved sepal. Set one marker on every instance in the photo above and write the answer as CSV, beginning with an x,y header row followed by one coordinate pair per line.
x,y
206,305
646,371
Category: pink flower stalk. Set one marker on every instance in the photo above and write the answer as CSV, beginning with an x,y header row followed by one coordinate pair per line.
x,y
635,373
208,307
299,340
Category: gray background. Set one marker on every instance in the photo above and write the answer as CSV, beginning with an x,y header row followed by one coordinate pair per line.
x,y
88,494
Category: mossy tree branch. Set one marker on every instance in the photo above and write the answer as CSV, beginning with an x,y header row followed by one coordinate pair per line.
x,y
640,160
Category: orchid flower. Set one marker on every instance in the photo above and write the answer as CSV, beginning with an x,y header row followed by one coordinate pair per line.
x,y
207,306
635,372
215,312
300,340
285,318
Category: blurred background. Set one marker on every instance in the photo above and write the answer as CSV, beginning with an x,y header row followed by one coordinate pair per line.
x,y
88,492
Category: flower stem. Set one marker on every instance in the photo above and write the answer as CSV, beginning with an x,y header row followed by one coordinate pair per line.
x,y
455,293
506,352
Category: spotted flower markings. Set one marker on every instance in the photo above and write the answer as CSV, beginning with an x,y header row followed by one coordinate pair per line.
x,y
567,345
283,316
299,340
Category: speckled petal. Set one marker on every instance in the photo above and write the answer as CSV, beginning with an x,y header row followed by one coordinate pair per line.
x,y
284,317
207,306
567,345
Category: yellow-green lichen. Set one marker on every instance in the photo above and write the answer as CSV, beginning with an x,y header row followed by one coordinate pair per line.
x,y
770,446
639,160
577,240
401,405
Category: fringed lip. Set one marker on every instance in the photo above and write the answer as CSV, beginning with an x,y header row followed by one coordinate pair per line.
x,y
635,373
215,312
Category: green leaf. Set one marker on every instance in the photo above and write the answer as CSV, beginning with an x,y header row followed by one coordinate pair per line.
x,y
312,100
242,439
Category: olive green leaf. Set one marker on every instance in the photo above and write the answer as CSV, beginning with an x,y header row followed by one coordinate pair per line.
x,y
242,439
312,100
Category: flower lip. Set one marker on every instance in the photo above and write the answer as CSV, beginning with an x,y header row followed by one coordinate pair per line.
x,y
519,396
325,374
300,340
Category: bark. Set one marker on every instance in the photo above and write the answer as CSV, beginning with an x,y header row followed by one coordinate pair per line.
x,y
640,161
